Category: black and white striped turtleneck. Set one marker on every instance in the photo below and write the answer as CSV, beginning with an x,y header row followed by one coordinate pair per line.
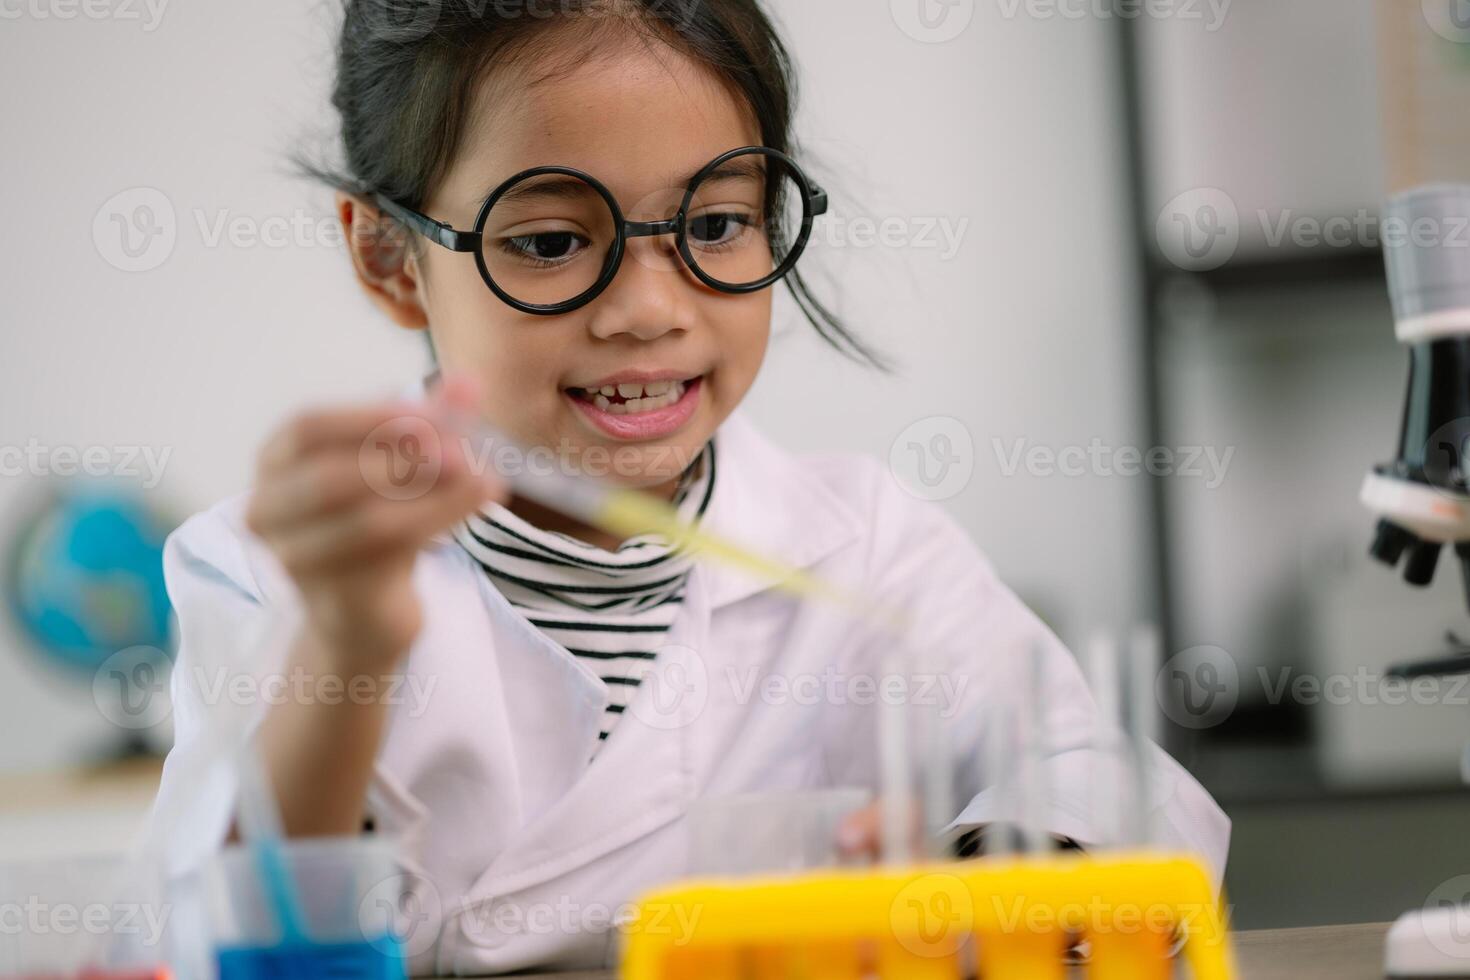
x,y
610,609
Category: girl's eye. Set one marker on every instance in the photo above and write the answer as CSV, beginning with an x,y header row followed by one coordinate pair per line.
x,y
714,229
547,247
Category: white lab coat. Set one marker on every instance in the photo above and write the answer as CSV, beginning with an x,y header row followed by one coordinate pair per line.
x,y
487,783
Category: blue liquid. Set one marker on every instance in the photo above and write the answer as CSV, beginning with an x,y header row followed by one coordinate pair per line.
x,y
380,959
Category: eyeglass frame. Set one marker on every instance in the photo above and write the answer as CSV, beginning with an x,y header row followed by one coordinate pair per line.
x,y
813,199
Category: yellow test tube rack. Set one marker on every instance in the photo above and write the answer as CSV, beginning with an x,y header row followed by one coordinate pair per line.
x,y
1008,919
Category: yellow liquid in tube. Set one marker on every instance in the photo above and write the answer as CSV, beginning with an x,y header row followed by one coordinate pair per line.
x,y
631,513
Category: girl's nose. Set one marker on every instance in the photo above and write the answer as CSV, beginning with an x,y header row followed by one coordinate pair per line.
x,y
652,294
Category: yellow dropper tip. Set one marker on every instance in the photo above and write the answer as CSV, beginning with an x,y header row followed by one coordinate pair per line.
x,y
630,513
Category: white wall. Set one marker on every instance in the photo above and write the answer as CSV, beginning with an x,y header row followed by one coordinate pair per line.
x,y
1025,333
1278,107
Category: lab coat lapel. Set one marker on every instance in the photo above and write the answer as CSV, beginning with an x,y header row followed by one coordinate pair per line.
x,y
639,780
520,717
553,704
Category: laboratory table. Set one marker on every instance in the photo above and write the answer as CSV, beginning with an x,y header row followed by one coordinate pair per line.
x,y
1352,952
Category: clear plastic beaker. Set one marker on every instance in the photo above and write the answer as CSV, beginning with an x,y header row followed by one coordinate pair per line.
x,y
769,832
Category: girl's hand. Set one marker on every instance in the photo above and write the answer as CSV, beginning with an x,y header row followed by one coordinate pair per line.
x,y
346,498
860,834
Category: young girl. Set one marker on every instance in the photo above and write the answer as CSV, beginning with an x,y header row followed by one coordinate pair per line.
x,y
585,204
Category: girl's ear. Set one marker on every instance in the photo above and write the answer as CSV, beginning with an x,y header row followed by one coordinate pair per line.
x,y
385,265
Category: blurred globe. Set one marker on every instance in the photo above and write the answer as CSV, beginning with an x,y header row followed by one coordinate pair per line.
x,y
87,578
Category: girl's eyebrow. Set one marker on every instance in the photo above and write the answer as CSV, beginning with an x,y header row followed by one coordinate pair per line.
x,y
565,188
739,168
559,188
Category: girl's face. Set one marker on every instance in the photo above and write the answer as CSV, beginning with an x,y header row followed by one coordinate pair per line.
x,y
643,123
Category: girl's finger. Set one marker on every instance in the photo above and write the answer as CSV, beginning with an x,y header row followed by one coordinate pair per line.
x,y
312,431
858,833
411,456
378,527
401,458
315,486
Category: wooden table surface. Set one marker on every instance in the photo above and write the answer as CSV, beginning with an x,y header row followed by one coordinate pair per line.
x,y
1352,952
1339,952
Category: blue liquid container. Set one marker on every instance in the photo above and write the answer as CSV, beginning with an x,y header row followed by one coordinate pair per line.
x,y
348,893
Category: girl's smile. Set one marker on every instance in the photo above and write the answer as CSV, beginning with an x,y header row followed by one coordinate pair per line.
x,y
638,405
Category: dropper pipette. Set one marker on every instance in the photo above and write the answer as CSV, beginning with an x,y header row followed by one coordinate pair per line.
x,y
626,512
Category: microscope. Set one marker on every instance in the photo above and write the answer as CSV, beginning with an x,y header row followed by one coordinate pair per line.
x,y
1422,497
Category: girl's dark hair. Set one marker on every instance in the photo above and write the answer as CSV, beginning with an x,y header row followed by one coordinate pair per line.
x,y
408,72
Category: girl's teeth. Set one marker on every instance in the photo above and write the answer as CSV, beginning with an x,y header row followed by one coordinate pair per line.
x,y
609,390
659,395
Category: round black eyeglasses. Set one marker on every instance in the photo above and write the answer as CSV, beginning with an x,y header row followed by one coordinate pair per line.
x,y
551,239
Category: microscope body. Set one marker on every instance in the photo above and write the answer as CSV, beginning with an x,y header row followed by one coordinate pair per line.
x,y
1422,497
